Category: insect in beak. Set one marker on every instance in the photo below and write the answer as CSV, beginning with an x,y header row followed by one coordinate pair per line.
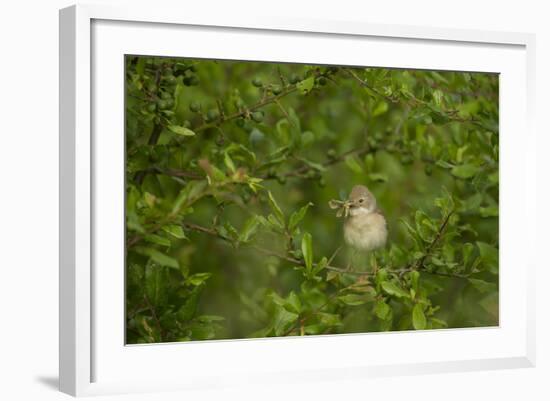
x,y
342,206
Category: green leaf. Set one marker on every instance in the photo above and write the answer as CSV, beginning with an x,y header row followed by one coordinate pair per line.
x,y
438,323
276,209
382,310
415,276
467,252
323,263
490,304
293,302
418,317
298,216
154,284
198,278
444,164
489,211
249,229
378,177
174,230
158,257
330,319
229,162
465,171
472,203
489,256
353,163
282,320
380,108
307,251
241,152
157,239
482,286
392,289
282,128
189,308
306,85
214,174
312,164
437,96
274,223
192,191
210,318
355,299
178,129
307,138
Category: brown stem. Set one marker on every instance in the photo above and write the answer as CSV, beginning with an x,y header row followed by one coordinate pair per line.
x,y
245,112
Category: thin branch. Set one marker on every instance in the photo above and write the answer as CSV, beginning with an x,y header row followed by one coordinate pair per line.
x,y
266,251
269,252
450,114
299,172
154,315
296,173
246,111
434,242
366,85
153,139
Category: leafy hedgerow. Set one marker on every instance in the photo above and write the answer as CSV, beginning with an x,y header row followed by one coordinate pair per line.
x,y
229,169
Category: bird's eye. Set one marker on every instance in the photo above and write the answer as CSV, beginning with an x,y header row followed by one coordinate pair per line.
x,y
361,200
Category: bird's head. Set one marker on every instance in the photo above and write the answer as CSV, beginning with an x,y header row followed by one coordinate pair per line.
x,y
361,201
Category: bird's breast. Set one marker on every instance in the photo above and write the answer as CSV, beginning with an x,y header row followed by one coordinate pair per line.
x,y
366,232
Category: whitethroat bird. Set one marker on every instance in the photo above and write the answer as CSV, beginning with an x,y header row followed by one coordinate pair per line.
x,y
365,226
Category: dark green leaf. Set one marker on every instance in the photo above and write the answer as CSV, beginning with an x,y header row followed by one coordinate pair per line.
x,y
418,317
382,310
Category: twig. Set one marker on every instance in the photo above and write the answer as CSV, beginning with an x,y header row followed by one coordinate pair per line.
x,y
265,251
155,134
154,315
299,172
450,114
246,111
366,85
434,242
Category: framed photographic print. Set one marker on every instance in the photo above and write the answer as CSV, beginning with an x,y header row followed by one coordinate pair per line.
x,y
235,193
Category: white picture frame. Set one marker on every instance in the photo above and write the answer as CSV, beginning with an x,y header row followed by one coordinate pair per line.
x,y
93,356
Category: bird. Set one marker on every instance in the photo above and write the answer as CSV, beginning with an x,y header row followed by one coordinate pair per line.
x,y
365,227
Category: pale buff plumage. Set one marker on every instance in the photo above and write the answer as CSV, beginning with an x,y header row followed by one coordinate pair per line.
x,y
365,226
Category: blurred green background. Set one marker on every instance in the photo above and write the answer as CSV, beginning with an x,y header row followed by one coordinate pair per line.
x,y
209,256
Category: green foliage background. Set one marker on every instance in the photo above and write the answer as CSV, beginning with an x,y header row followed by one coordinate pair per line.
x,y
230,166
